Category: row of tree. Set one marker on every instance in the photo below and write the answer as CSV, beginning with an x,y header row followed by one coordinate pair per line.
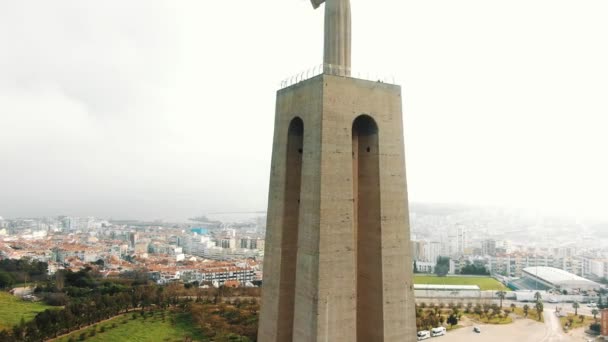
x,y
427,319
472,269
21,271
442,268
83,311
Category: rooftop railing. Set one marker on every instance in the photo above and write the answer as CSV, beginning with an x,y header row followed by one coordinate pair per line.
x,y
335,70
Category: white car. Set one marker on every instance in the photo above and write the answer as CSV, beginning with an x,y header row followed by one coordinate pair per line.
x,y
592,305
423,335
440,331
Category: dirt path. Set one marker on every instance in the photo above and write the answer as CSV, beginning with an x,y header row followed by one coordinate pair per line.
x,y
90,325
554,333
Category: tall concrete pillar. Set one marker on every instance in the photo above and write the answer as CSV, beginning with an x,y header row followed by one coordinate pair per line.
x,y
337,260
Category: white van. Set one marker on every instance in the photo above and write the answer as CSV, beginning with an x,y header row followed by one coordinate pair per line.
x,y
423,335
438,331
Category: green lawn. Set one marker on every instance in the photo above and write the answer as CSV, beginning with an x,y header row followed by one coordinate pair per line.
x,y
532,314
484,283
13,308
486,320
173,329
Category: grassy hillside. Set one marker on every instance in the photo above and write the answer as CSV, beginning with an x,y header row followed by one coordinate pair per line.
x,y
174,328
13,308
484,283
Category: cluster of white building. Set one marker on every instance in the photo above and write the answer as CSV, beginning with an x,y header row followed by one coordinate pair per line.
x,y
228,248
501,257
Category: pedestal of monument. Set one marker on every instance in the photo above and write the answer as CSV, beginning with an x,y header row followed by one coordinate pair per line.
x,y
337,261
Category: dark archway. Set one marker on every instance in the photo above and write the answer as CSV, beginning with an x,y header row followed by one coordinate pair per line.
x,y
367,229
291,217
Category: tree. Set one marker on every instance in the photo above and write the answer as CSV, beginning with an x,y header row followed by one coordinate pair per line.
x,y
576,306
501,295
415,267
473,269
6,279
539,309
526,309
452,320
538,297
443,266
595,312
513,306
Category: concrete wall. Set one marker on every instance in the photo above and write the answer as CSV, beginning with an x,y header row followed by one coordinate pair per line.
x,y
455,294
352,218
604,323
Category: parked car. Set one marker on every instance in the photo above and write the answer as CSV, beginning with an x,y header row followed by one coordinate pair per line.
x,y
423,335
439,331
477,330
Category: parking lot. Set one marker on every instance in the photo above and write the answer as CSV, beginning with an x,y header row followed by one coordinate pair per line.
x,y
522,330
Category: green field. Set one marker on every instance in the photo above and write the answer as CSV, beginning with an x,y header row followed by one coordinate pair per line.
x,y
13,308
173,329
484,283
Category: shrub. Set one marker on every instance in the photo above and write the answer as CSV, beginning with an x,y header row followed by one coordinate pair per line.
x,y
82,337
56,299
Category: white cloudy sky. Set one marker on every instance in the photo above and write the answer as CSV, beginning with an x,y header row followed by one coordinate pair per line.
x,y
164,109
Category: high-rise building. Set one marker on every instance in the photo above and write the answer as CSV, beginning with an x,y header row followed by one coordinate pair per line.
x,y
133,238
432,251
418,248
488,247
227,243
458,241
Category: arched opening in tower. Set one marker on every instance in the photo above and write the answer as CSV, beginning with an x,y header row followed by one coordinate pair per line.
x,y
367,229
291,216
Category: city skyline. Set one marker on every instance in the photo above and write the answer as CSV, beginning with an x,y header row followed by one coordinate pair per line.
x,y
106,116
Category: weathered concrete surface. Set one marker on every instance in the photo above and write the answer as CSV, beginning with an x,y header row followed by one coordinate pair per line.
x,y
353,246
337,42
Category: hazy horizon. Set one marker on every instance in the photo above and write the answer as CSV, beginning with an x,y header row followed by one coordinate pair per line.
x,y
153,109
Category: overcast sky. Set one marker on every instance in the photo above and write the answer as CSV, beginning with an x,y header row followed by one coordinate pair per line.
x,y
164,109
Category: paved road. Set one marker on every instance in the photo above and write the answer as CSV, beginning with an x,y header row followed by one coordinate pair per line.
x,y
522,330
554,332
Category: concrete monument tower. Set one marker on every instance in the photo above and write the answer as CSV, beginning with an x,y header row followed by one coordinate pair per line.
x,y
337,260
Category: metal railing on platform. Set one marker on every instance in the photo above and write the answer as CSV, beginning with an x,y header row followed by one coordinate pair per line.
x,y
336,70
